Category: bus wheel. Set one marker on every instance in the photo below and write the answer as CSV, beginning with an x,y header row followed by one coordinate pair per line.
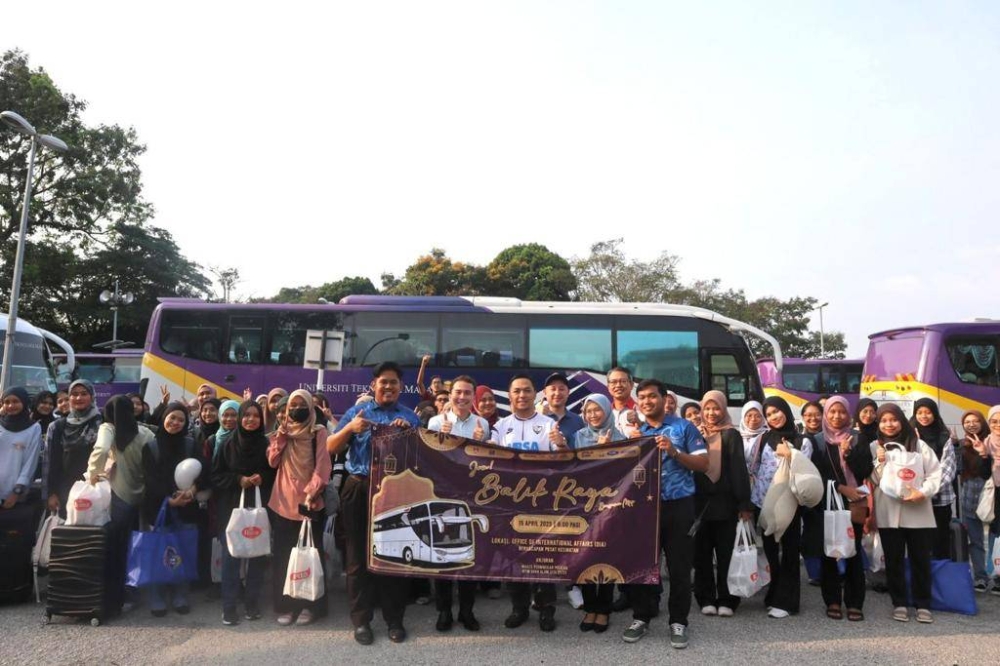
x,y
374,550
408,556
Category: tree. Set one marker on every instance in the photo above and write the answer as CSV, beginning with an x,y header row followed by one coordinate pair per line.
x,y
227,278
608,275
530,272
435,274
331,291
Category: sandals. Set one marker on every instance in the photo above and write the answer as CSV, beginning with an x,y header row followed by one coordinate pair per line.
x,y
855,615
900,614
834,613
924,616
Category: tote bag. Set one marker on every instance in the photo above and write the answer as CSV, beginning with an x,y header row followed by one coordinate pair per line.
x,y
248,533
838,532
743,576
304,577
167,555
985,510
903,471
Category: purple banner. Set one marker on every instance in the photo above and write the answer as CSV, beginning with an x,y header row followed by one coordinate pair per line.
x,y
448,507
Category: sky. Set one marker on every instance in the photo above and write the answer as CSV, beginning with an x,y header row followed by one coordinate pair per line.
x,y
848,151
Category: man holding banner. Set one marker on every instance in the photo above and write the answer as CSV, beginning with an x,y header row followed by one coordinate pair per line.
x,y
684,453
354,434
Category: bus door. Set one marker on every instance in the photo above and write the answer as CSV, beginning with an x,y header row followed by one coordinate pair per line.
x,y
734,375
243,354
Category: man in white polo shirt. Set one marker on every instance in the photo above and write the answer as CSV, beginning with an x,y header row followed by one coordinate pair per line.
x,y
527,430
459,420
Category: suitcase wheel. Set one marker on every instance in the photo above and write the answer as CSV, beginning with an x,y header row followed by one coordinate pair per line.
x,y
95,621
48,618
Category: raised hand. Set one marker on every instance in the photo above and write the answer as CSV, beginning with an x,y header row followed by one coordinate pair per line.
x,y
164,394
478,434
247,394
557,438
880,453
604,437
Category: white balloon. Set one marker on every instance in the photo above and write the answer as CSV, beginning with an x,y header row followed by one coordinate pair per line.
x,y
186,473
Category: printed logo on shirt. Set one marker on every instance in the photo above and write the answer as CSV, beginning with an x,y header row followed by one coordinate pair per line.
x,y
171,558
524,446
252,532
537,429
301,575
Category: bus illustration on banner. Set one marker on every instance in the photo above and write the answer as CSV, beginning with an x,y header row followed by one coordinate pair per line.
x,y
436,533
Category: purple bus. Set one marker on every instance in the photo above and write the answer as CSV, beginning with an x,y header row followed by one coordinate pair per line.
x,y
954,364
110,373
261,346
805,380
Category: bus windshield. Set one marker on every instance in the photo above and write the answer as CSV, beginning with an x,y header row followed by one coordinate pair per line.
x,y
457,524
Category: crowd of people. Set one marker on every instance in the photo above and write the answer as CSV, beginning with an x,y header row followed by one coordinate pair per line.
x,y
715,473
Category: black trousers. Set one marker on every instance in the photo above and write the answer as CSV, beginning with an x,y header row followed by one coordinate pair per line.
x,y
941,546
783,558
521,593
598,598
364,587
914,543
676,518
466,595
851,590
711,586
285,534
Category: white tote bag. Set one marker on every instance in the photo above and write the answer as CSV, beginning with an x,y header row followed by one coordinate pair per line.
x,y
985,510
838,532
248,533
89,504
743,577
903,471
43,547
304,577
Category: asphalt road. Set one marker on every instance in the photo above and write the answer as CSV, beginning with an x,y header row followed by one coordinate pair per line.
x,y
750,636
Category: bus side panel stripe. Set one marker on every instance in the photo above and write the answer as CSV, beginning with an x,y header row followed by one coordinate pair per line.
x,y
186,380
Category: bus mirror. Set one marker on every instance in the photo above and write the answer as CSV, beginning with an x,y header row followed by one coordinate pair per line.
x,y
440,523
482,521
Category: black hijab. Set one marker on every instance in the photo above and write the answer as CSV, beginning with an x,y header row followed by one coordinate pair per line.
x,y
164,439
249,443
43,419
866,433
209,429
936,434
906,436
21,420
119,412
774,436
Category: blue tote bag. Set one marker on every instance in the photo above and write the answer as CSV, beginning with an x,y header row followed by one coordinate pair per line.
x,y
951,587
167,555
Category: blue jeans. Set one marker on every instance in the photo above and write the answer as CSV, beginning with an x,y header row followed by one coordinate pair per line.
x,y
231,579
980,549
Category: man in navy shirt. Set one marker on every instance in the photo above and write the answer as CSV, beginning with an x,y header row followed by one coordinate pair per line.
x,y
556,396
354,434
684,453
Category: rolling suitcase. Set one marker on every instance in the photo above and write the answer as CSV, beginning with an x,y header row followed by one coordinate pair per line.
x,y
17,536
80,574
959,541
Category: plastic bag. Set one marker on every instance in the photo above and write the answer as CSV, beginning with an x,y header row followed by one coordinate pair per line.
x,y
902,473
304,577
89,504
743,577
248,533
986,509
995,556
838,532
872,545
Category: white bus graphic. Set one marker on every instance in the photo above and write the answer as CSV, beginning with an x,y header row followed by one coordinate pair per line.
x,y
432,533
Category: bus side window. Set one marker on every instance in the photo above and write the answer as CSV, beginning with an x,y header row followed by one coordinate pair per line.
x,y
195,335
385,336
483,341
288,334
975,360
246,336
726,377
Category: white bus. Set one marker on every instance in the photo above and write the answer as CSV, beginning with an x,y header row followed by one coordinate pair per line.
x,y
32,366
437,533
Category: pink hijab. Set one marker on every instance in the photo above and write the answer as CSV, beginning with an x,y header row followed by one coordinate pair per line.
x,y
834,436
993,444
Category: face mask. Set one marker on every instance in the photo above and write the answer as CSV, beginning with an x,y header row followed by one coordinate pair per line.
x,y
299,414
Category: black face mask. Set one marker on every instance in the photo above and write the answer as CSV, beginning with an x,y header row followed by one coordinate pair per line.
x,y
299,414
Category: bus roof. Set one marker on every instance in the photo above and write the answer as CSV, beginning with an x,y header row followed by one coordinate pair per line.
x,y
22,325
977,326
812,361
355,303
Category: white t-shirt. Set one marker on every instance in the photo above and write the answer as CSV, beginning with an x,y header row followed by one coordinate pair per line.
x,y
459,427
531,434
621,420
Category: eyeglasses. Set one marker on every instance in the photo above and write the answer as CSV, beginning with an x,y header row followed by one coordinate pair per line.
x,y
618,382
994,422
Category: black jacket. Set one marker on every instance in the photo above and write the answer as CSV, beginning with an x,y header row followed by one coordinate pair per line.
x,y
731,493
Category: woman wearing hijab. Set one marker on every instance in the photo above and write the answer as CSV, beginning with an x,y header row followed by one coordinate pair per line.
x,y
296,451
485,404
119,445
864,421
783,557
722,495
69,443
171,446
228,421
812,518
20,446
43,410
927,423
905,525
752,426
208,425
241,466
274,397
840,459
974,467
599,428
993,450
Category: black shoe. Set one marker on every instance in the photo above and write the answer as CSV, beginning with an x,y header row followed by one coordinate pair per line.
x,y
364,635
587,626
516,619
445,620
159,613
182,610
469,621
252,613
547,619
397,634
230,618
622,603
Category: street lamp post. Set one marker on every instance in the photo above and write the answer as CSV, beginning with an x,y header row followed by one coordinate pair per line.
x,y
22,126
822,346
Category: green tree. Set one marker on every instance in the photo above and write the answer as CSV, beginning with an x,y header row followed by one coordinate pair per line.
x,y
331,291
530,272
435,274
608,275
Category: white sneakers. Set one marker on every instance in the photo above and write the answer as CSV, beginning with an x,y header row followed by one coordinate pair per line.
x,y
725,611
777,613
709,610
576,597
